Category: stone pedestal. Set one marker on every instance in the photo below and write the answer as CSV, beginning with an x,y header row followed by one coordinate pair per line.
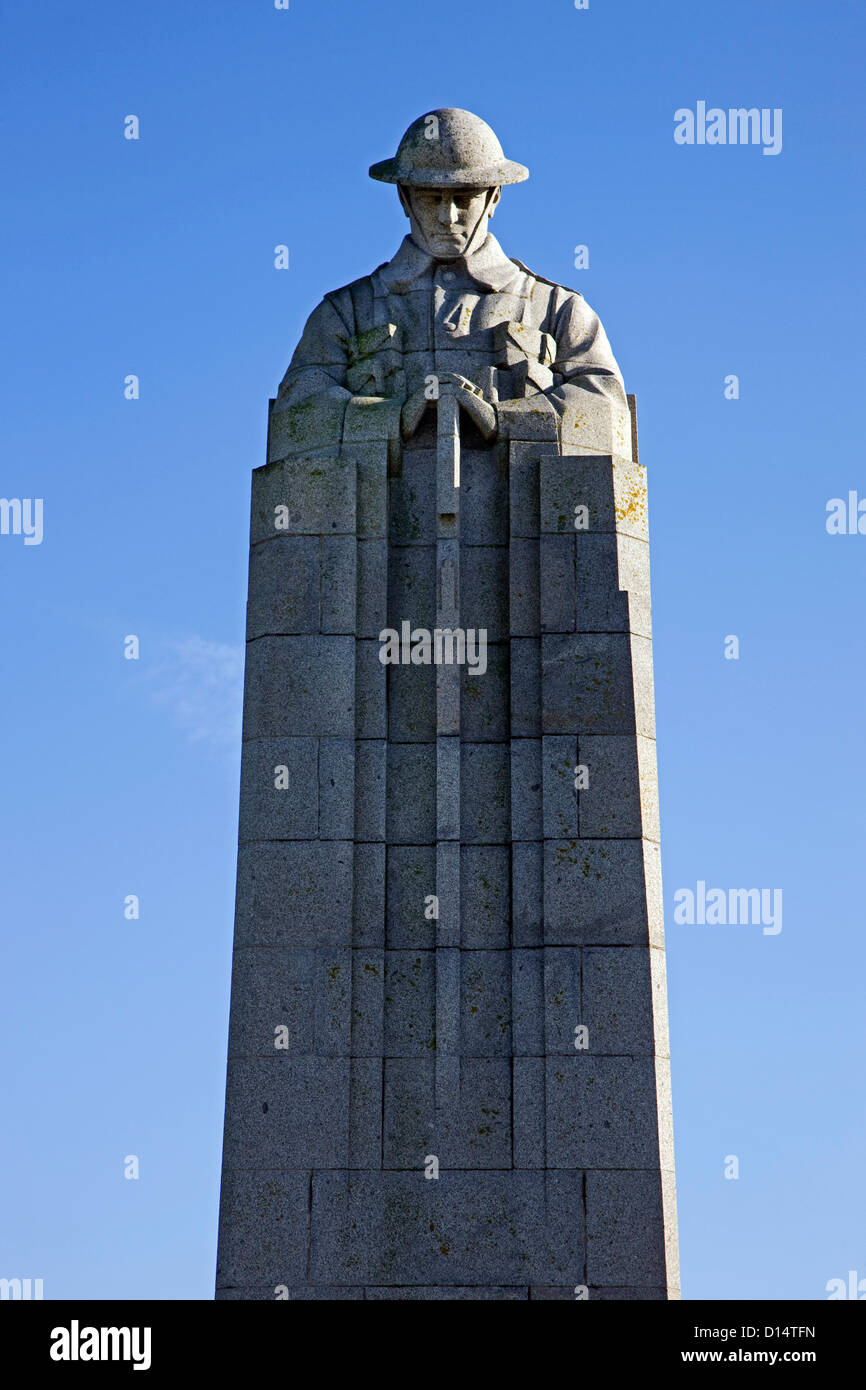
x,y
448,1067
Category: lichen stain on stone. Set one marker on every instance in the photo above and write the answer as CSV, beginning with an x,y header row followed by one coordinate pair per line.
x,y
631,504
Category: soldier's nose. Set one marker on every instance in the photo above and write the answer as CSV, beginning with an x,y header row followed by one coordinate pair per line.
x,y
449,213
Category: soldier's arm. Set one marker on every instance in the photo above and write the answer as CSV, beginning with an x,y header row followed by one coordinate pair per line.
x,y
585,367
318,365
584,358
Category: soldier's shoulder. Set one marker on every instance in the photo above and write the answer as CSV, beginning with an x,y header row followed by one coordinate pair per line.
x,y
542,279
352,302
354,287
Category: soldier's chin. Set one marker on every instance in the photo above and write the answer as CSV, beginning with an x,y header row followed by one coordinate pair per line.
x,y
447,247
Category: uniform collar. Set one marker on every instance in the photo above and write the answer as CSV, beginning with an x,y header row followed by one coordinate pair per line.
x,y
488,266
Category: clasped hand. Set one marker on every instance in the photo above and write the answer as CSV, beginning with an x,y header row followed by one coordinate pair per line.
x,y
469,397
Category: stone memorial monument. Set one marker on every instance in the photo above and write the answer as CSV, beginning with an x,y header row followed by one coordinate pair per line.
x,y
448,1069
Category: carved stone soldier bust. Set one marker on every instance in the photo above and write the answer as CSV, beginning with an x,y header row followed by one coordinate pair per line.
x,y
452,312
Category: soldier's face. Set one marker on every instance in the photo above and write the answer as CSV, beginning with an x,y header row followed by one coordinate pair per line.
x,y
444,219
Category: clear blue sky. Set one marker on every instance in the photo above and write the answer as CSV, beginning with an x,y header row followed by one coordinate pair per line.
x,y
155,257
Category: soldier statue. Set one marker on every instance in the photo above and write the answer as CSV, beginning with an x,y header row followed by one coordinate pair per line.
x,y
451,308
448,1069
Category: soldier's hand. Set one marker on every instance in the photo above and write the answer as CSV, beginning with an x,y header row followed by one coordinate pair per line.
x,y
469,396
413,408
480,411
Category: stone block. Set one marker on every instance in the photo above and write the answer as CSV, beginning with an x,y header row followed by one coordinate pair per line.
x,y
485,1003
484,698
411,793
369,418
336,788
552,1293
655,908
284,586
558,583
618,1000
365,1113
412,498
559,761
370,705
409,1107
264,1226
634,576
448,893
302,1293
368,1003
371,462
601,604
594,893
644,696
483,498
527,891
613,491
412,586
372,588
484,590
294,894
296,1107
411,880
528,1103
601,1112
528,420
562,1000
587,684
525,687
411,703
526,789
370,781
332,1010
593,421
298,686
409,1004
339,584
485,896
527,1008
398,1228
277,804
447,790
272,988
611,805
460,1293
485,780
524,588
368,909
312,494
624,1239
523,491
447,970
474,1133
313,423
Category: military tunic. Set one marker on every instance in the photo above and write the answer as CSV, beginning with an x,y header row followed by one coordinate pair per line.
x,y
525,342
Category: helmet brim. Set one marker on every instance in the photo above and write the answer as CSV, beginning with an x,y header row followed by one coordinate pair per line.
x,y
493,175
